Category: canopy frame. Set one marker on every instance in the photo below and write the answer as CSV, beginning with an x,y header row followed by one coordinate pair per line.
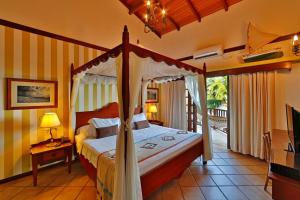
x,y
125,48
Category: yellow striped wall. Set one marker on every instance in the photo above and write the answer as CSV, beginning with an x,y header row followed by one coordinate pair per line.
x,y
27,55
95,95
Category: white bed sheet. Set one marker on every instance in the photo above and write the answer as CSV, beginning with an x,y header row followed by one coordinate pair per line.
x,y
90,148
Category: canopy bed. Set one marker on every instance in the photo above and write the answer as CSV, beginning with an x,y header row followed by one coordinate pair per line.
x,y
130,158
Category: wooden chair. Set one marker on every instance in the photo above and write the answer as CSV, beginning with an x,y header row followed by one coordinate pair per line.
x,y
267,153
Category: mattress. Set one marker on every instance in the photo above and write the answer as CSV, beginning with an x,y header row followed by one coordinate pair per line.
x,y
91,148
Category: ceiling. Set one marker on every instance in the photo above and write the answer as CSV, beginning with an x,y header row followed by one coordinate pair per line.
x,y
179,12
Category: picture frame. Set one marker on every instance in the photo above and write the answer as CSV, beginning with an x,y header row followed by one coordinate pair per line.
x,y
31,94
152,95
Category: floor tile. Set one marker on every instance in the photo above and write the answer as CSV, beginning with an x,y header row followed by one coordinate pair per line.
x,y
205,170
219,161
28,193
221,180
187,180
87,193
45,180
79,180
49,193
212,193
21,182
69,193
172,191
204,180
90,182
254,193
256,179
10,192
62,180
192,193
239,180
229,170
232,193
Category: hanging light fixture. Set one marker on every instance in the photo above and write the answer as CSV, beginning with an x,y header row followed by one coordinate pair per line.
x,y
154,15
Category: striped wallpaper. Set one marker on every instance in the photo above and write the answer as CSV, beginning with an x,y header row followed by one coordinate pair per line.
x,y
95,95
27,55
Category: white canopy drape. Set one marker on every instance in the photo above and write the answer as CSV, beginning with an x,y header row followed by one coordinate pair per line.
x,y
196,88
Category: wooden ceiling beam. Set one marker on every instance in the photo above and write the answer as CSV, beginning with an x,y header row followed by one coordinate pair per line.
x,y
136,7
194,10
171,19
225,5
174,22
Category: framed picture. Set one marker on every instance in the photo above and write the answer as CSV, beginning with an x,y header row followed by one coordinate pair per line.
x,y
152,95
31,94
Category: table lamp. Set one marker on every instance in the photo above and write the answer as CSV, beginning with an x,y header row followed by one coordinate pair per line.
x,y
153,110
50,120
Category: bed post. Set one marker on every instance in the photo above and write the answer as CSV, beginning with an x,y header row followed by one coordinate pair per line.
x,y
204,74
71,78
125,81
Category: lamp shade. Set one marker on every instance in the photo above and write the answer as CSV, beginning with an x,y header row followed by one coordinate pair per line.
x,y
153,109
49,120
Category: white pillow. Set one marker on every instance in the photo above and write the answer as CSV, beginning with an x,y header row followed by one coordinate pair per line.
x,y
87,131
104,122
139,117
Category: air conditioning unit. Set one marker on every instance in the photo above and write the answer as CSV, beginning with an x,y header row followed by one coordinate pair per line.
x,y
211,51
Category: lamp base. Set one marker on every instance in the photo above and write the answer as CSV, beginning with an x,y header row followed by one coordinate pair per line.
x,y
53,144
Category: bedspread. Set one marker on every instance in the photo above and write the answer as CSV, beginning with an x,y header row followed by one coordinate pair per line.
x,y
145,149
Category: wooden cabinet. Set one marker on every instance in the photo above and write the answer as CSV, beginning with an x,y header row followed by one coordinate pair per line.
x,y
42,155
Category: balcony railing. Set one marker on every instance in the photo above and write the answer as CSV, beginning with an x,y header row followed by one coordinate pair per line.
x,y
217,113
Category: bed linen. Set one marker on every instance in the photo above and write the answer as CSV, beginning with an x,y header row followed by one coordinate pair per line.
x,y
154,145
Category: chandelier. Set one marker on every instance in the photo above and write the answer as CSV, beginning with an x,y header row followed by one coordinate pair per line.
x,y
155,14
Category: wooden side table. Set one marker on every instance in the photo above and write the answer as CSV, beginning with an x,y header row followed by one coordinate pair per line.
x,y
156,122
42,155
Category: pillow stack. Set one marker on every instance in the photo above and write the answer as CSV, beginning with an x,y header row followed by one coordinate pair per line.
x,y
105,127
140,121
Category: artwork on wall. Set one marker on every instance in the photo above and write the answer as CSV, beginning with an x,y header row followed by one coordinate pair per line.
x,y
31,94
152,95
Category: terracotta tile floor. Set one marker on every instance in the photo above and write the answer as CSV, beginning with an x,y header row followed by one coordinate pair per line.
x,y
228,176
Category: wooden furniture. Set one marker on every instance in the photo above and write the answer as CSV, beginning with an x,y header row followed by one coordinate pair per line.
x,y
42,155
267,153
179,164
284,168
156,122
158,176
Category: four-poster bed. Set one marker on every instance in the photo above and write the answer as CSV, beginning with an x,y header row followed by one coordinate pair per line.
x,y
133,70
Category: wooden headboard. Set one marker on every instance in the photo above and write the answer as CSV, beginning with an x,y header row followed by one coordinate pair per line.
x,y
110,110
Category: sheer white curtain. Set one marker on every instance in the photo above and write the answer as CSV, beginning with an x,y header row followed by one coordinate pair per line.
x,y
173,112
196,88
75,88
252,111
127,183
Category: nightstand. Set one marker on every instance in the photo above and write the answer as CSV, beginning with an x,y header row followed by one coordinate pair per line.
x,y
156,122
42,155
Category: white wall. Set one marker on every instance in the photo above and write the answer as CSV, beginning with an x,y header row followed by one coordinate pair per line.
x,y
287,92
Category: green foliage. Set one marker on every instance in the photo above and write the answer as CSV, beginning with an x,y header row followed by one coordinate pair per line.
x,y
216,92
